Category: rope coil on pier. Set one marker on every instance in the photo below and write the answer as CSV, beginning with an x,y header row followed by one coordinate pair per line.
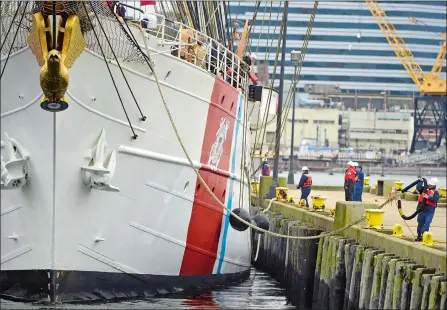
x,y
202,181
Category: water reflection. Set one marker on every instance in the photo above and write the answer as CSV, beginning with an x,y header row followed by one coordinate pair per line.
x,y
204,301
258,292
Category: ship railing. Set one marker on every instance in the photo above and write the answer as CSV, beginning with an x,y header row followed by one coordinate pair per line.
x,y
195,47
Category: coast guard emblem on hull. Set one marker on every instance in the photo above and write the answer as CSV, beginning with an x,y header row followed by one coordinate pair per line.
x,y
217,147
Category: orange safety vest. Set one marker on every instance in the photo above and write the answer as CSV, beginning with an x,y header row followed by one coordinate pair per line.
x,y
428,202
308,182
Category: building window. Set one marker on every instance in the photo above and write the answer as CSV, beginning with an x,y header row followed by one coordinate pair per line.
x,y
270,137
316,121
362,131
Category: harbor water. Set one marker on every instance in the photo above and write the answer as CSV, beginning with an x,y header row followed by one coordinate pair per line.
x,y
258,292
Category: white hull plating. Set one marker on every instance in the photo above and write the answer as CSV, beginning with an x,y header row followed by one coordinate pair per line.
x,y
55,222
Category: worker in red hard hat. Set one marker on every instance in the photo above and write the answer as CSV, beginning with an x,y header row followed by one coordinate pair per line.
x,y
427,201
305,184
349,180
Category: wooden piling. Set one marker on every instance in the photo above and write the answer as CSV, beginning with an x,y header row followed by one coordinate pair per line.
x,y
350,250
338,281
367,277
376,283
354,287
323,288
304,265
418,287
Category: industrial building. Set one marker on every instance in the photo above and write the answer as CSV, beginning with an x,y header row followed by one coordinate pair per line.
x,y
341,129
371,130
350,66
312,127
347,48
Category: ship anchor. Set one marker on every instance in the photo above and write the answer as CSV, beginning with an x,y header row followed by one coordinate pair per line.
x,y
98,173
14,172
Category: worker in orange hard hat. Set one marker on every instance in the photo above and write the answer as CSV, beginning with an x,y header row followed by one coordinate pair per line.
x,y
305,184
428,201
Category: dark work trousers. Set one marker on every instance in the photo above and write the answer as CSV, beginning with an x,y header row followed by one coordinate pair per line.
x,y
349,189
424,219
305,191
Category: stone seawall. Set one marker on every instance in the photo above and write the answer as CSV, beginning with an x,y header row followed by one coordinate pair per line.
x,y
360,269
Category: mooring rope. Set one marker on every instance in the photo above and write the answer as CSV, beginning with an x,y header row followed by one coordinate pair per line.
x,y
270,204
202,181
258,247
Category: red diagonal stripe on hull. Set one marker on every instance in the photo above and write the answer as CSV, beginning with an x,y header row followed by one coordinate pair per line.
x,y
206,222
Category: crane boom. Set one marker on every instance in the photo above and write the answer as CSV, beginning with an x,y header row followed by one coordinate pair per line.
x,y
437,67
428,84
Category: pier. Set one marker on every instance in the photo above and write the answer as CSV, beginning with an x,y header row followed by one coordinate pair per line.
x,y
356,268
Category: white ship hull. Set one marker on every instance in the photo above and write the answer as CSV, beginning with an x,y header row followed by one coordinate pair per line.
x,y
162,232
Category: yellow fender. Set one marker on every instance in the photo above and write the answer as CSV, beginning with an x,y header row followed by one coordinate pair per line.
x,y
397,230
302,203
427,238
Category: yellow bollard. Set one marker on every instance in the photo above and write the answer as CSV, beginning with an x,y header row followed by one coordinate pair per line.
x,y
291,200
415,191
374,218
427,238
332,211
255,187
302,203
318,202
443,192
398,186
281,193
398,231
366,181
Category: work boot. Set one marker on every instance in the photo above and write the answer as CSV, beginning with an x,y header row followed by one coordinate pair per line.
x,y
418,239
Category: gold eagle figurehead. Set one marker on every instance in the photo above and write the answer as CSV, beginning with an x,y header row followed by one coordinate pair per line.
x,y
54,77
55,60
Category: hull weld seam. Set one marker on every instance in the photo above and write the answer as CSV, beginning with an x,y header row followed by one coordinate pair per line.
x,y
16,253
183,244
106,260
10,209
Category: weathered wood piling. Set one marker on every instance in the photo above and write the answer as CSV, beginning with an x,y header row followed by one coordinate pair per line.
x,y
337,272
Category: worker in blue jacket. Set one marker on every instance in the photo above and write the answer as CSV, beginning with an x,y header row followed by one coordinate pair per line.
x,y
358,185
305,184
427,202
265,168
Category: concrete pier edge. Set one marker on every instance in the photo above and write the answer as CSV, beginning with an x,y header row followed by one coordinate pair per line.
x,y
430,257
356,269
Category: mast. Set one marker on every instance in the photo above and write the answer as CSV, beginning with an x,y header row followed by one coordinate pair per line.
x,y
274,184
243,41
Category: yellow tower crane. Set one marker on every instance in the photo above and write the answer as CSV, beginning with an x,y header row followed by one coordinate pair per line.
x,y
430,110
428,84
